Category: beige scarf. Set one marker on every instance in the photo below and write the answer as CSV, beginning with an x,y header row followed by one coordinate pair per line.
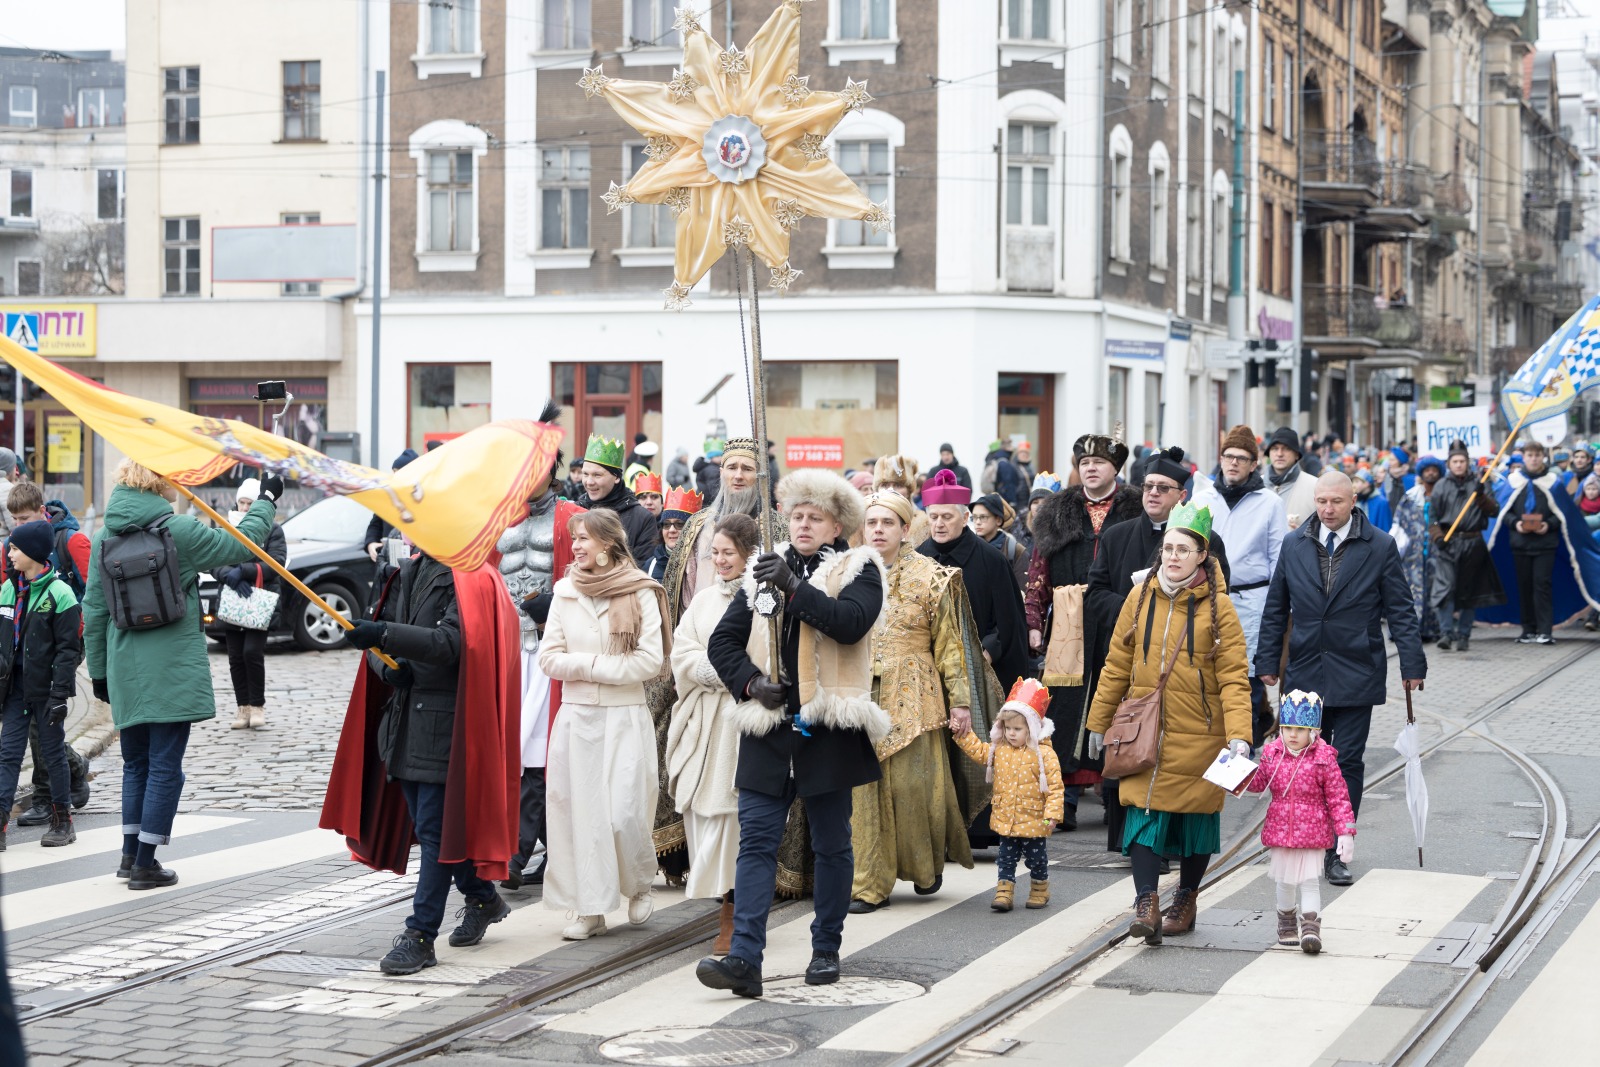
x,y
618,583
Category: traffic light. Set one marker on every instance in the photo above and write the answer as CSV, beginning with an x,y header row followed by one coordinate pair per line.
x,y
1308,379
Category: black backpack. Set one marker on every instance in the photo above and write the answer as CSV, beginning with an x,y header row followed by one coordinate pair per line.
x,y
140,578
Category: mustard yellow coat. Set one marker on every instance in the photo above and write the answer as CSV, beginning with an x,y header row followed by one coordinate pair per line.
x,y
1019,808
1206,704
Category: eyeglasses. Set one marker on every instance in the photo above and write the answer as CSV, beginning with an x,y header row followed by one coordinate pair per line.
x,y
1177,551
672,524
1157,489
1235,457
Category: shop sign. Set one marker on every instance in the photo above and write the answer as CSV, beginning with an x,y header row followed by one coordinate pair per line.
x,y
813,452
65,330
63,445
1402,391
1436,429
1274,328
1135,349
243,390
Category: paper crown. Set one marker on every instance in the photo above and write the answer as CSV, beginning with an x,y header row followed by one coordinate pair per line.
x,y
646,482
1300,709
713,446
1047,481
1099,446
740,446
682,502
943,488
606,451
1029,695
1189,517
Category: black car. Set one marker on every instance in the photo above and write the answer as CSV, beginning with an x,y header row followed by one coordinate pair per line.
x,y
327,554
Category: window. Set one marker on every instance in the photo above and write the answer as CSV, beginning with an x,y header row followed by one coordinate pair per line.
x,y
1269,277
564,197
302,101
566,25
1269,87
650,23
1286,251
864,20
24,105
1026,412
1117,395
95,108
312,218
1028,20
1121,195
1028,174
1195,233
453,27
30,274
1122,31
867,164
1288,95
445,401
1152,408
855,400
182,100
21,194
109,195
180,247
1222,84
1369,23
646,225
1159,206
614,399
1197,58
1220,217
1161,35
450,207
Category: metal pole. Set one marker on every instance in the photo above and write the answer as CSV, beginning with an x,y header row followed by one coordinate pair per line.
x,y
1236,310
378,139
1296,253
758,427
16,376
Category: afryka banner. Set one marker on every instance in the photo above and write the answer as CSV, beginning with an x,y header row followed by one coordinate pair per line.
x,y
1437,429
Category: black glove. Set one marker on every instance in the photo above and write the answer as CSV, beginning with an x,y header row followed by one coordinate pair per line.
x,y
56,713
766,692
233,578
366,634
772,570
271,487
537,607
400,678
100,690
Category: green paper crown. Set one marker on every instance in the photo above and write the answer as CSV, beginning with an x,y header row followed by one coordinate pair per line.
x,y
1189,517
606,451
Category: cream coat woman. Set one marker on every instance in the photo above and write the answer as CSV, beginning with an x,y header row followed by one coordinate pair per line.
x,y
602,772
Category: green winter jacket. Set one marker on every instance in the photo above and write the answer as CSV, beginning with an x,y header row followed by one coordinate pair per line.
x,y
161,675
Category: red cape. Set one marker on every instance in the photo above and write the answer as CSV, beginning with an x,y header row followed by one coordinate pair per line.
x,y
483,781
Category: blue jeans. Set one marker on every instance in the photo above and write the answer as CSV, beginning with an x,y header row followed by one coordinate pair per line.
x,y
762,819
425,802
1462,629
152,779
14,742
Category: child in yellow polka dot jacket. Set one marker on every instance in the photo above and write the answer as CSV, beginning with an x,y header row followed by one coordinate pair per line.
x,y
1028,791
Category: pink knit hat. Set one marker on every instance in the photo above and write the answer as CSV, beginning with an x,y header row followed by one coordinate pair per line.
x,y
943,488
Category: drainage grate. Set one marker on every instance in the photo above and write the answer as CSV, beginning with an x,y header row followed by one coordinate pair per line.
x,y
850,991
697,1047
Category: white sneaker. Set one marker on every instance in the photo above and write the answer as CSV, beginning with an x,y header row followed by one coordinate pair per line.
x,y
586,927
640,908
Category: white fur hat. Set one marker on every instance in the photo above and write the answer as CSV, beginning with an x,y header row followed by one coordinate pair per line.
x,y
826,490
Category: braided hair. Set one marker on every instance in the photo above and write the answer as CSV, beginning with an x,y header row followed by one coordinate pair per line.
x,y
1213,575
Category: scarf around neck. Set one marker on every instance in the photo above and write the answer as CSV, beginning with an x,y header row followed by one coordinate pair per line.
x,y
1232,494
618,583
1292,471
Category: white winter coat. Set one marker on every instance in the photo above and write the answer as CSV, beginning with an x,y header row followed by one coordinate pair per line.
x,y
702,742
1299,498
573,649
1257,526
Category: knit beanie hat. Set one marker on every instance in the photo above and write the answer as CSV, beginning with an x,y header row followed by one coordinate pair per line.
x,y
36,540
1243,438
1285,435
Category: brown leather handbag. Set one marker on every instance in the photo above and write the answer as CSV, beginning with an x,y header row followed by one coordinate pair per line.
x,y
1134,740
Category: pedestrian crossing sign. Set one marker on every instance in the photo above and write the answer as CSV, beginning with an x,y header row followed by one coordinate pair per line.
x,y
22,327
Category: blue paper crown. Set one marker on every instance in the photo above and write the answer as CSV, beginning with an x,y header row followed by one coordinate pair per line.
x,y
1300,709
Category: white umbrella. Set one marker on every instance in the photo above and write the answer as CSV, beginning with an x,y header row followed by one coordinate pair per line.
x,y
1409,745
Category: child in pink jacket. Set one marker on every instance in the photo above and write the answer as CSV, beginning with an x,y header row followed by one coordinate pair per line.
x,y
1309,813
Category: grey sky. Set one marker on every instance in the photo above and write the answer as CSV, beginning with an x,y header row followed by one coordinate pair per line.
x,y
62,24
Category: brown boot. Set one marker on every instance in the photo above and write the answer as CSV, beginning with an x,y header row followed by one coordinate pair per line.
x,y
1311,933
241,720
1179,916
724,942
1038,894
1289,927
258,716
1147,918
1003,896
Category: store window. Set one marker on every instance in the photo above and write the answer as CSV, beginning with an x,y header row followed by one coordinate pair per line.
x,y
614,399
1152,409
1027,412
445,400
846,408
1116,397
234,398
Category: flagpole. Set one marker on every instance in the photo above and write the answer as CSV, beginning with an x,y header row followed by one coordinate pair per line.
x,y
1489,470
758,428
283,572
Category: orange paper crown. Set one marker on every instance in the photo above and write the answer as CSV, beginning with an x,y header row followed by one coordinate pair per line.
x,y
645,482
1030,694
686,501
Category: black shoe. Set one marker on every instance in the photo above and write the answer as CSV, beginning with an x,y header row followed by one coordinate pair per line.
x,y
1526,639
1444,643
1338,873
862,907
1461,644
824,968
38,815
80,793
537,877
125,866
476,918
513,879
740,978
412,952
1069,818
938,884
156,877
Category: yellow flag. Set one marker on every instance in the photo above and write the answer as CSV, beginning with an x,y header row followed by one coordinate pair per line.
x,y
453,502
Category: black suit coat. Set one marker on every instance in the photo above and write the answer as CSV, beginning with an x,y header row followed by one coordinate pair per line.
x,y
828,759
996,601
1125,547
1336,646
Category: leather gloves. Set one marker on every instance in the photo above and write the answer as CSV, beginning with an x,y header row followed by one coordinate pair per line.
x,y
398,679
101,693
1097,744
771,570
56,713
769,694
1237,747
537,607
234,578
1346,848
271,487
366,634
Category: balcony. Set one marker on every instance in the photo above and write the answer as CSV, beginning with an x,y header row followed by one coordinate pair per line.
x,y
1340,174
1548,289
1353,321
1399,208
1452,205
1508,359
1539,190
1445,337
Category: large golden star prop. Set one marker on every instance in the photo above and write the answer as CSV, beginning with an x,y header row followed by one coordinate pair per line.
x,y
735,148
